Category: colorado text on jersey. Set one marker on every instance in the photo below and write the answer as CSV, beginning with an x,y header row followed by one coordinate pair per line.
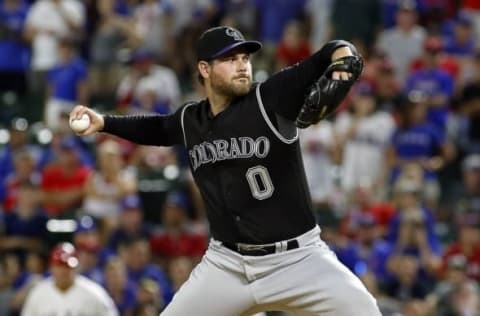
x,y
221,149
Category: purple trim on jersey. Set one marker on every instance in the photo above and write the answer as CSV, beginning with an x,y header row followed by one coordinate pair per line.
x,y
251,46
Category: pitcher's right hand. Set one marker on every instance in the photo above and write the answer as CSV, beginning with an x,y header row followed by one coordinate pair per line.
x,y
96,119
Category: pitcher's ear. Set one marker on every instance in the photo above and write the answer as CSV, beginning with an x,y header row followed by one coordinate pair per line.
x,y
204,69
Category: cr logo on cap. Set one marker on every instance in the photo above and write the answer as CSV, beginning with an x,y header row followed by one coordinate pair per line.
x,y
234,33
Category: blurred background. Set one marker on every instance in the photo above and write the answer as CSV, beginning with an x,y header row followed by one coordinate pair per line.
x,y
394,175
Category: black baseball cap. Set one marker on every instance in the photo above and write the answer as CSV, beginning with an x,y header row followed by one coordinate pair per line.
x,y
218,41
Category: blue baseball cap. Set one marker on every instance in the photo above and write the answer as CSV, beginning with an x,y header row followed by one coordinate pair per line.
x,y
177,199
131,202
218,41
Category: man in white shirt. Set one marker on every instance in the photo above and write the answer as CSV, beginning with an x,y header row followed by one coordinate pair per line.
x,y
404,42
47,22
66,292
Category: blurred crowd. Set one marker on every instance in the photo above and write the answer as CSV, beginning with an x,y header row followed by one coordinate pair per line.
x,y
394,174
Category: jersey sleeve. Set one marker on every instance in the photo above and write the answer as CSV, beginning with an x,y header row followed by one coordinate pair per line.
x,y
284,92
151,129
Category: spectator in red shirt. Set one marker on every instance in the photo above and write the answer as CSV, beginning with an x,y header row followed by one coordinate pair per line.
x,y
467,247
64,180
294,46
363,203
434,50
176,238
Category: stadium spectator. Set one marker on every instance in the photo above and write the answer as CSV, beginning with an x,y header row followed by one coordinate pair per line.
x,y
63,181
88,253
463,301
131,224
241,14
404,42
148,298
66,83
35,270
412,231
367,252
363,202
318,19
176,238
6,286
318,150
25,227
435,83
387,87
154,27
460,40
386,304
451,276
47,22
293,46
14,53
24,171
148,87
66,292
468,199
274,16
466,249
19,140
158,173
472,8
119,288
112,33
179,269
434,54
363,136
106,186
417,141
136,254
51,151
405,284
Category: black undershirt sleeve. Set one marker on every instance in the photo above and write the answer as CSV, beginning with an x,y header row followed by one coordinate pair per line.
x,y
151,129
284,92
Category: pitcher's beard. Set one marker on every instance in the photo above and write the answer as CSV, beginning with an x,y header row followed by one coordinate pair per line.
x,y
231,89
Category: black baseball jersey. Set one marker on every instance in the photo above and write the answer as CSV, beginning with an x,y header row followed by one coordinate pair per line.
x,y
246,160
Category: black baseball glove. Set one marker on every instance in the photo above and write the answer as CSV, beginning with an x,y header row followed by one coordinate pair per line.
x,y
326,94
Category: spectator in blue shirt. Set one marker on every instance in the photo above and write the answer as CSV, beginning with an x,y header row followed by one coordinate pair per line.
x,y
461,40
138,260
418,142
67,84
14,53
435,83
19,140
368,252
26,226
275,16
118,286
131,223
412,230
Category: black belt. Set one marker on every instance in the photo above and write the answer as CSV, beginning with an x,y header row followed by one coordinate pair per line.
x,y
259,250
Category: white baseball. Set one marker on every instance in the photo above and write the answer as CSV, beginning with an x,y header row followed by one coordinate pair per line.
x,y
79,125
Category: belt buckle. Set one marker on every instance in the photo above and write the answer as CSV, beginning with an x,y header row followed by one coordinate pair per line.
x,y
247,248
